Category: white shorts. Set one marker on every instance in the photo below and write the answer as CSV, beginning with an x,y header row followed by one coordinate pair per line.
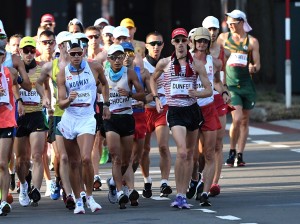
x,y
71,126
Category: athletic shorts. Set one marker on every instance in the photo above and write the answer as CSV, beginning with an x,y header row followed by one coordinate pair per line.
x,y
140,125
122,124
51,131
210,114
244,96
155,119
6,132
189,117
71,126
31,122
222,108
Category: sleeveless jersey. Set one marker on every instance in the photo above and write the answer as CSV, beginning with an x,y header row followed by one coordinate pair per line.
x,y
8,60
55,70
7,105
119,104
160,84
209,66
31,100
85,85
177,86
134,101
237,72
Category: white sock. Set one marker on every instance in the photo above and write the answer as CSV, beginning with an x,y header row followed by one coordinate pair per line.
x,y
163,181
147,180
112,182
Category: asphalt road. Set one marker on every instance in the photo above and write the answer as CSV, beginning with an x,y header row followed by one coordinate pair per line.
x,y
267,190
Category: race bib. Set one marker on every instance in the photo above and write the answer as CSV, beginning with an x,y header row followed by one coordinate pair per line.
x,y
30,98
83,99
180,89
4,99
238,59
118,103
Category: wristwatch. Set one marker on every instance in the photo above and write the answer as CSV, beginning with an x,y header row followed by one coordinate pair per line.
x,y
20,99
154,97
106,104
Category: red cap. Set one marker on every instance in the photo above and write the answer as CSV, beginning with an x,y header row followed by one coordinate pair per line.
x,y
47,18
179,31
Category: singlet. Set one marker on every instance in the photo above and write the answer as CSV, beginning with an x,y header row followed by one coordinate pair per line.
x,y
8,60
85,85
177,86
134,101
7,104
237,72
119,104
209,66
31,100
55,70
160,84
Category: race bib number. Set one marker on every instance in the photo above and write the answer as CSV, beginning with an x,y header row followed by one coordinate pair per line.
x,y
83,99
180,89
30,98
238,59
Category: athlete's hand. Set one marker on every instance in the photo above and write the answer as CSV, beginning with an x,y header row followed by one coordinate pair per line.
x,y
72,96
46,102
193,93
226,98
252,68
159,106
21,109
123,92
106,113
2,91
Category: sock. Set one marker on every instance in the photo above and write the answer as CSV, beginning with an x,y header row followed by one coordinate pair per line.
x,y
163,181
112,182
147,180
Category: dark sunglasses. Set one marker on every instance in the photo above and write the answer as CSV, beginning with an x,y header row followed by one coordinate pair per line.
x,y
2,36
76,53
121,38
1,54
45,42
114,58
48,24
202,40
27,50
158,43
178,40
93,36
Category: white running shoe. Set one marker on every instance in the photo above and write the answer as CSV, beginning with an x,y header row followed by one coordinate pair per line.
x,y
49,188
94,206
23,196
79,209
83,196
5,208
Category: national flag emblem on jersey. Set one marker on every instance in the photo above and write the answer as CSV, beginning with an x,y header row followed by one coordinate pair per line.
x,y
69,77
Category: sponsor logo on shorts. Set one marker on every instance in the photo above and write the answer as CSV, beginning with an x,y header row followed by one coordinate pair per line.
x,y
9,133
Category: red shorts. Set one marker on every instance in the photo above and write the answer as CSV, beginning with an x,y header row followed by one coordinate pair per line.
x,y
221,107
155,119
211,118
140,125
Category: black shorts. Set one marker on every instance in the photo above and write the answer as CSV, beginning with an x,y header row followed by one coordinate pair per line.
x,y
122,124
189,117
51,131
7,132
31,122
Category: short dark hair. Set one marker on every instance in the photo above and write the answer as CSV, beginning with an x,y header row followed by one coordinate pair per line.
x,y
154,33
95,28
47,33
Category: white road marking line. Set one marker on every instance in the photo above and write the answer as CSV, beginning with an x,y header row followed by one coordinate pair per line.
x,y
296,150
280,146
229,217
204,210
258,131
157,198
261,142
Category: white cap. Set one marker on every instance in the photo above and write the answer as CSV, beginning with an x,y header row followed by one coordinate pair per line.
x,y
100,20
211,22
192,31
108,29
63,36
114,48
80,36
2,31
73,43
75,21
120,31
238,14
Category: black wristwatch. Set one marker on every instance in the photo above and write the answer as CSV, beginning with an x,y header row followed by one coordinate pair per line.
x,y
154,97
20,99
106,104
225,92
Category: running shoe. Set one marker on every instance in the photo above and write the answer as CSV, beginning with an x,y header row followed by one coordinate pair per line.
x,y
214,190
24,199
177,202
104,157
12,184
239,160
184,204
5,208
231,157
94,206
70,203
97,183
55,190
192,189
165,190
112,192
199,189
122,199
147,191
50,187
83,197
35,196
133,198
79,209
204,200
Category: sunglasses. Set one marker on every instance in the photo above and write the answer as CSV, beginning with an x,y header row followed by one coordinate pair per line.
x,y
158,43
129,53
108,35
1,54
121,38
27,50
178,40
229,23
202,40
93,36
48,24
76,53
46,42
2,36
114,58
